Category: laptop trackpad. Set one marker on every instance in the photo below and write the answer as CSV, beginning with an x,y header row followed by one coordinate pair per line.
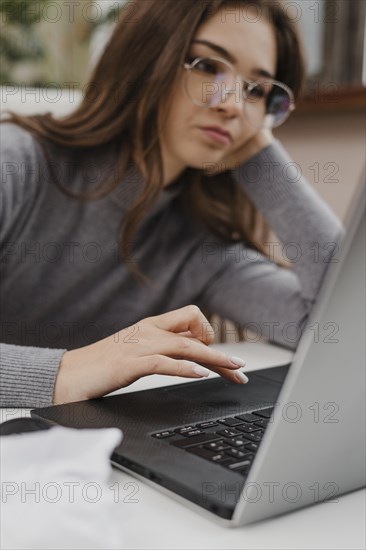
x,y
220,396
278,374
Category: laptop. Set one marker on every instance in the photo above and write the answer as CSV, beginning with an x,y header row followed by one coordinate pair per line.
x,y
292,437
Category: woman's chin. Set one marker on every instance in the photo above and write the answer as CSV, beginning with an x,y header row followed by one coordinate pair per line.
x,y
207,161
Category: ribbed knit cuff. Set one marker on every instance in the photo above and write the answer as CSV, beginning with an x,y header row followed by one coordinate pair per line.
x,y
28,375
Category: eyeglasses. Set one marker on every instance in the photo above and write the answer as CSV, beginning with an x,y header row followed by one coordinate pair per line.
x,y
210,79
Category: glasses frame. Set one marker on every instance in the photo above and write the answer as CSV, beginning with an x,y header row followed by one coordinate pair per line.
x,y
248,85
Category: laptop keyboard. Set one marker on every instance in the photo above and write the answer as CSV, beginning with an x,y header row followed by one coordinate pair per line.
x,y
231,442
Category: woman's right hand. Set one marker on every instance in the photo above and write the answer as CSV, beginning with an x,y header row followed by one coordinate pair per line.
x,y
174,343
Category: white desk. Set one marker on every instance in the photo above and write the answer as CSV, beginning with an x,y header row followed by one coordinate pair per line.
x,y
157,521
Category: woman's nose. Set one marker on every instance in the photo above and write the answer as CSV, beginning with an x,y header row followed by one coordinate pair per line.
x,y
232,102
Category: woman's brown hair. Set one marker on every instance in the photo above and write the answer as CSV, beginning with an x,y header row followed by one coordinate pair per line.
x,y
139,66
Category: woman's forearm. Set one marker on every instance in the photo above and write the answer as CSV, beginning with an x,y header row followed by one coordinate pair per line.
x,y
307,228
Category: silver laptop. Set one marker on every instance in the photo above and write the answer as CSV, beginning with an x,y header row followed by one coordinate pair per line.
x,y
294,436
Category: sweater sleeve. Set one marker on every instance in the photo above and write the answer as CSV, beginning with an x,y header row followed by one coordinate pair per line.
x,y
250,289
27,374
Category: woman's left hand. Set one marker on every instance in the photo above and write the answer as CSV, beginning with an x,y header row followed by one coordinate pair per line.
x,y
244,152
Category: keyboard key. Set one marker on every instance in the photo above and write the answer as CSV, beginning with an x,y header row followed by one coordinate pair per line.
x,y
262,423
191,433
265,413
237,453
231,421
243,470
195,440
182,431
209,424
248,428
217,446
252,446
248,417
240,464
228,432
161,435
255,436
236,442
209,455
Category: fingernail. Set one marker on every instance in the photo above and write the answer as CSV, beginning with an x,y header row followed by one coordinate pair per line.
x,y
237,361
241,377
201,371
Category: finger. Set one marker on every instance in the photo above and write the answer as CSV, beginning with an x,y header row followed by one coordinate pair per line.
x,y
188,318
160,364
187,334
189,349
236,376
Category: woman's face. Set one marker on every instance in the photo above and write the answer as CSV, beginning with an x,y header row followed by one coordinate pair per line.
x,y
253,46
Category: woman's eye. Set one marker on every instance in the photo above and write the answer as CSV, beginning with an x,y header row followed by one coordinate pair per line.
x,y
206,67
257,92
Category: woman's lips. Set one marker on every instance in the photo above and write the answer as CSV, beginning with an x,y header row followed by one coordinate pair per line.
x,y
216,136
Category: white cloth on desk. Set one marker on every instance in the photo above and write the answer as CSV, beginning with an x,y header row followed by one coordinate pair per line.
x,y
56,490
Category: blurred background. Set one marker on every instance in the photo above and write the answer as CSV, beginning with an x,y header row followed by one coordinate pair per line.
x,y
47,41
44,42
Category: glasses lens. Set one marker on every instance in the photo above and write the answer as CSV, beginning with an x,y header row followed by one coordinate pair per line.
x,y
208,81
267,105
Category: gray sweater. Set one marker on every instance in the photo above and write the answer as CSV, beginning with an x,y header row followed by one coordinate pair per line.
x,y
64,285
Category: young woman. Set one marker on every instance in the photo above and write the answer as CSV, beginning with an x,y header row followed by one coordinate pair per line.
x,y
152,201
